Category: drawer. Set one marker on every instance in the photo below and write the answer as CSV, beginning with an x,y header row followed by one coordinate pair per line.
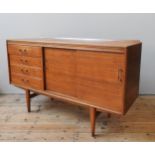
x,y
28,61
25,50
28,71
27,82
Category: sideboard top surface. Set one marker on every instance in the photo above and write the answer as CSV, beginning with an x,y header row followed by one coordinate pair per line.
x,y
78,43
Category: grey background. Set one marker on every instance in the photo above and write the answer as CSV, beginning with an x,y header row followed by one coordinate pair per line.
x,y
110,26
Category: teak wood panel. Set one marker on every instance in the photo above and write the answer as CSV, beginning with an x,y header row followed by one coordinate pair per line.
x,y
23,60
27,71
93,77
100,79
60,61
61,84
133,74
25,50
26,81
60,71
99,66
105,95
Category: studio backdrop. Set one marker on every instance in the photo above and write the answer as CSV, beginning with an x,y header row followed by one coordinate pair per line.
x,y
108,26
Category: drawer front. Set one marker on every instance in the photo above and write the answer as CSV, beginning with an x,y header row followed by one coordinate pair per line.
x,y
28,61
25,50
27,82
27,71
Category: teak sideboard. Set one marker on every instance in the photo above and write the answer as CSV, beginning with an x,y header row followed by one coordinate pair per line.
x,y
103,75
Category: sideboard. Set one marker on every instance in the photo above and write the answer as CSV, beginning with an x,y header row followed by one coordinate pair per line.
x,y
100,74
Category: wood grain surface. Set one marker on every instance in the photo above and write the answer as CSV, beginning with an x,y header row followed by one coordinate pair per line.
x,y
78,71
110,46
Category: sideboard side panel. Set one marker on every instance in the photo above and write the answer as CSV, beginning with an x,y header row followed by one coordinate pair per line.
x,y
132,74
8,58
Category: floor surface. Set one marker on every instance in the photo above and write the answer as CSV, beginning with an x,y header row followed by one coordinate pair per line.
x,y
59,121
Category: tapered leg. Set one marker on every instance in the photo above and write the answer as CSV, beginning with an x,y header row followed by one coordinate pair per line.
x,y
92,120
28,100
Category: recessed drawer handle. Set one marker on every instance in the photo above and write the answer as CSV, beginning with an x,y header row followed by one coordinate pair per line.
x,y
24,61
24,71
25,81
23,52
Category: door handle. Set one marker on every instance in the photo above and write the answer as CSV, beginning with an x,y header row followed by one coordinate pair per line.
x,y
120,74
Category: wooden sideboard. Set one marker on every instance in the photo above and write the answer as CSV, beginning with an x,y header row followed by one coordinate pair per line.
x,y
100,74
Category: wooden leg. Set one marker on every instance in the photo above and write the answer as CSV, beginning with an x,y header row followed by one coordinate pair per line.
x,y
92,120
28,99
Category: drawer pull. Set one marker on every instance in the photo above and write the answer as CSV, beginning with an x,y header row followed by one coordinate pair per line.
x,y
24,61
25,81
23,52
24,71
20,51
